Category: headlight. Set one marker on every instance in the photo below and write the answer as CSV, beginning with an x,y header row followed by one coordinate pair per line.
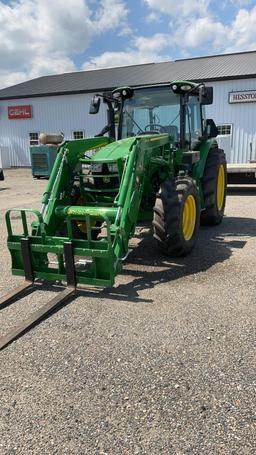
x,y
186,88
112,167
96,167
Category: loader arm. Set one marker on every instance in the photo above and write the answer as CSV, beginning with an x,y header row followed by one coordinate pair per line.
x,y
115,208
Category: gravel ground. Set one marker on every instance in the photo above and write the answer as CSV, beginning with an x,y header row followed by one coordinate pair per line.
x,y
163,363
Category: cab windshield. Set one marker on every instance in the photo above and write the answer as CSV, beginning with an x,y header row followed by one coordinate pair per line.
x,y
151,110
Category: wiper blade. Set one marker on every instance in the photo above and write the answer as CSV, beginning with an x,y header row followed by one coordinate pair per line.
x,y
132,119
175,118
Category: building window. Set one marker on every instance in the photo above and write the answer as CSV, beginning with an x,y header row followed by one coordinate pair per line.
x,y
78,134
33,139
224,130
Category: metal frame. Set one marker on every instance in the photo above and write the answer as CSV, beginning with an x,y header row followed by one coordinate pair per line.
x,y
28,285
37,316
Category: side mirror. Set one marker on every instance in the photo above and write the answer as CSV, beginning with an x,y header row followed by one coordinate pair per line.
x,y
95,105
205,95
211,129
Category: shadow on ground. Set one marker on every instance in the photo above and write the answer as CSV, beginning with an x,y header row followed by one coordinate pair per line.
x,y
215,245
146,267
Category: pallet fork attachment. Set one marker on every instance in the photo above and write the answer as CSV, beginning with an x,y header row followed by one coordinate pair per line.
x,y
16,293
48,308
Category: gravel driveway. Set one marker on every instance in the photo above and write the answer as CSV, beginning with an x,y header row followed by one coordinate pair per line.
x,y
163,363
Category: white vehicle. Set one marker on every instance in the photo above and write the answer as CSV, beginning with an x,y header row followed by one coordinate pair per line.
x,y
240,154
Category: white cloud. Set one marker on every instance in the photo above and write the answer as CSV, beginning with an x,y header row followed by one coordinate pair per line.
x,y
153,17
201,31
8,79
151,44
43,66
240,3
40,36
238,35
142,50
242,32
111,14
112,59
178,8
190,33
194,25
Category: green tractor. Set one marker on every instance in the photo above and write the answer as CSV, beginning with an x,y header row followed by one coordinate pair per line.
x,y
165,166
184,179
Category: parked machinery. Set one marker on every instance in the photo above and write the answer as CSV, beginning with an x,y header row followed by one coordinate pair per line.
x,y
165,166
43,155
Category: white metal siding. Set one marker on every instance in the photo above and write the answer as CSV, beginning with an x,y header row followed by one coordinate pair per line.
x,y
241,116
49,114
71,113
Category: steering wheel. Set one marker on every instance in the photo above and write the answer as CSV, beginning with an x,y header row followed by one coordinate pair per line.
x,y
154,125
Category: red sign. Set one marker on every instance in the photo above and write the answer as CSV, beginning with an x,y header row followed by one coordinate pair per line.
x,y
16,112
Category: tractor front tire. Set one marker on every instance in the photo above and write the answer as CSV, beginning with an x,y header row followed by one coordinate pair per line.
x,y
214,187
177,216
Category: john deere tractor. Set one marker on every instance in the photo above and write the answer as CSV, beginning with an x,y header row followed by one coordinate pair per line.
x,y
164,166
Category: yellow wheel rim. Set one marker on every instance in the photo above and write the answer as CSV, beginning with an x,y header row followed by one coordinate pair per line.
x,y
220,187
189,217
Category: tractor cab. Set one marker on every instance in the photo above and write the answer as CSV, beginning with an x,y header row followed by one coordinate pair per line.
x,y
176,109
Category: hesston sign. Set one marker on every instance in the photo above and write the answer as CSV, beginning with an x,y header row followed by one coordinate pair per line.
x,y
17,112
242,97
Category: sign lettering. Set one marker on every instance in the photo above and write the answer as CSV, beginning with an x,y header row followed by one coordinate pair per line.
x,y
242,97
18,112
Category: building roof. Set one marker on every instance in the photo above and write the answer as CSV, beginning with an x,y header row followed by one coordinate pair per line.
x,y
211,68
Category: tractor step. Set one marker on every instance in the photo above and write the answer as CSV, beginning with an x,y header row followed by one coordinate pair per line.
x,y
37,316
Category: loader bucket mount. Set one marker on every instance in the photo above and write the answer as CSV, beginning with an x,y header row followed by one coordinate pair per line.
x,y
29,258
30,252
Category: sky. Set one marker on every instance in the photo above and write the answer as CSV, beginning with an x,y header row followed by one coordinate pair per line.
x,y
42,37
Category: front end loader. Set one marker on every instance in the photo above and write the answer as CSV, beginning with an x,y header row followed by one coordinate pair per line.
x,y
164,166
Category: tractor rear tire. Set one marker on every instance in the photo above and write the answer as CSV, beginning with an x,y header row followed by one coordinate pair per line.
x,y
177,216
214,188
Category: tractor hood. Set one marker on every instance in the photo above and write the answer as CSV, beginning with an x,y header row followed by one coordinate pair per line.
x,y
120,149
114,150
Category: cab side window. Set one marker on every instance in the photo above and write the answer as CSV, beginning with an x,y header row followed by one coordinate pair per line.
x,y
193,121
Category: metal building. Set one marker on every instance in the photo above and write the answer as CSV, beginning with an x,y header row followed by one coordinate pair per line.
x,y
61,103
